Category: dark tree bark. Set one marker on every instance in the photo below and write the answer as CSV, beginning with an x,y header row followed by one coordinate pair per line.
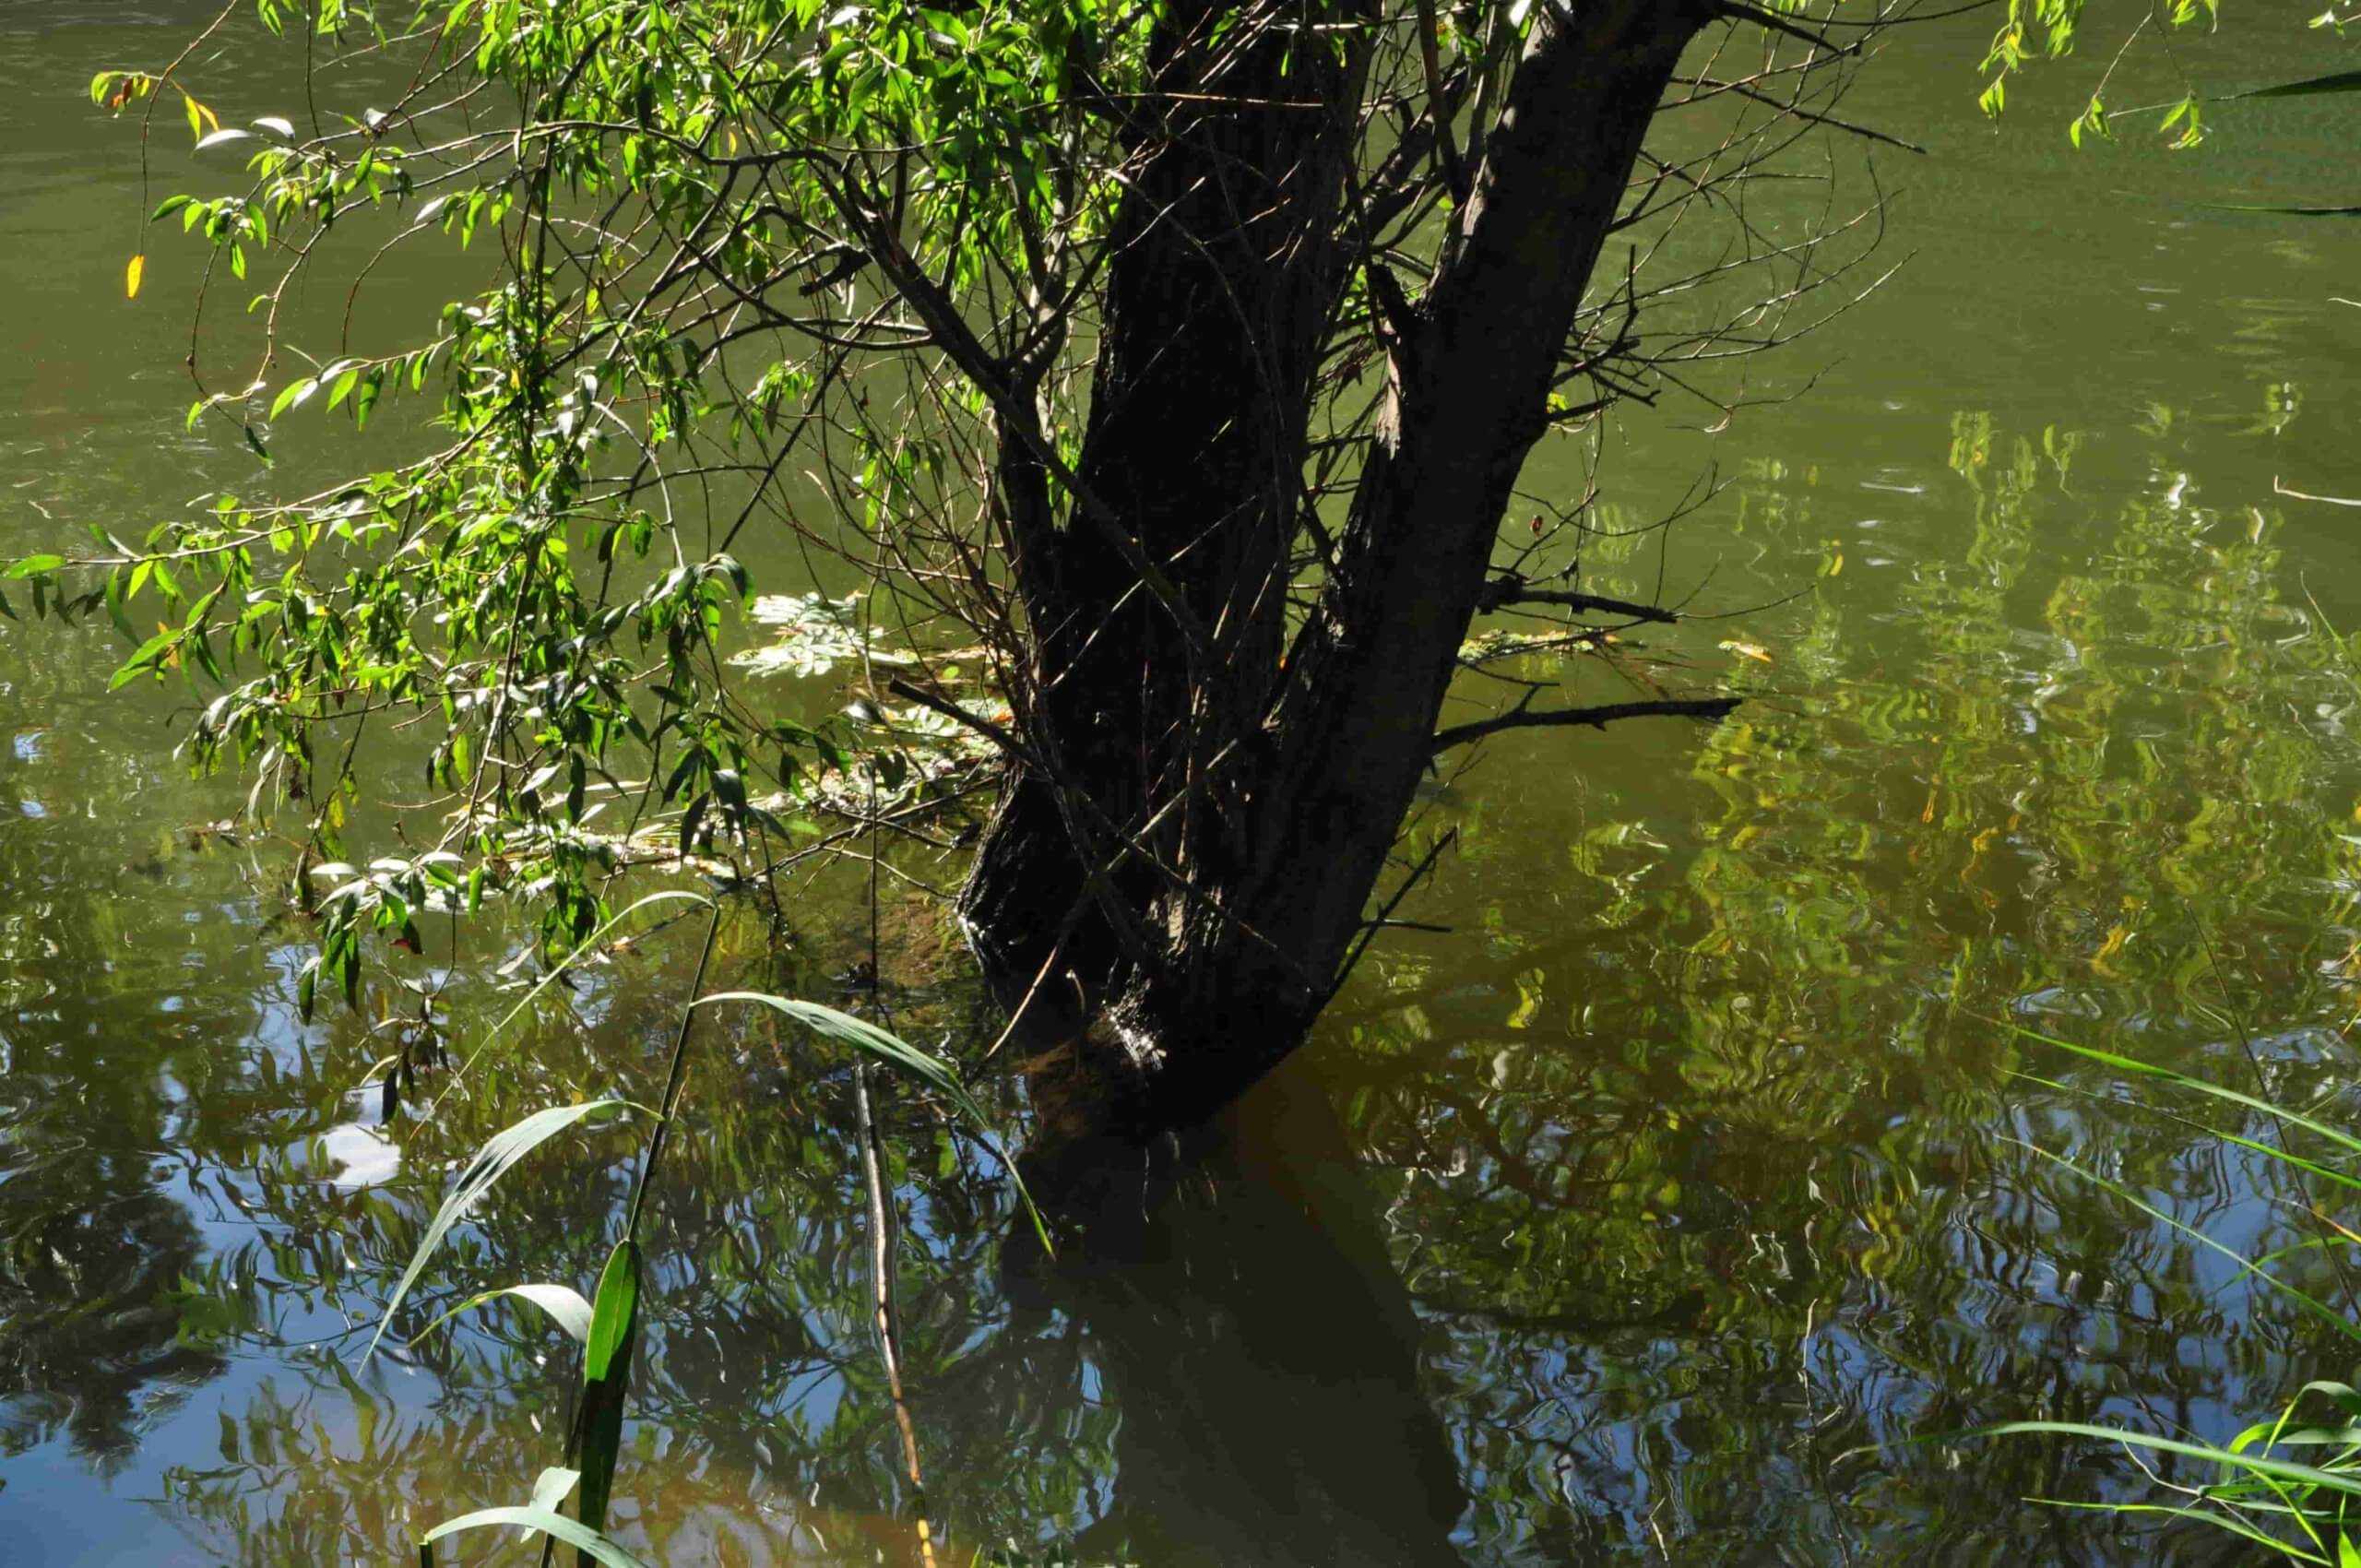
x,y
1172,881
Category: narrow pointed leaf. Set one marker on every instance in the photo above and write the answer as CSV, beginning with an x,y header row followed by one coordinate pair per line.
x,y
2288,211
2276,1469
606,1376
588,1541
2333,1319
566,1306
616,1310
2150,1070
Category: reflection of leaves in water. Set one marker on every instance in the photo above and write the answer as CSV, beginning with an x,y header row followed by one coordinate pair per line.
x,y
1701,1168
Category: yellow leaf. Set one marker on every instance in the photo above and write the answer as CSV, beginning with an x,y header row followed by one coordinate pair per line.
x,y
1746,650
131,275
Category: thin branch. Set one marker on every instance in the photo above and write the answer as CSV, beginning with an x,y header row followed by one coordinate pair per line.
x,y
1511,589
1438,106
2279,489
1597,718
1732,11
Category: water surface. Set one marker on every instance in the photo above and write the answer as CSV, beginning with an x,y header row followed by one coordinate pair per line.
x,y
1692,1161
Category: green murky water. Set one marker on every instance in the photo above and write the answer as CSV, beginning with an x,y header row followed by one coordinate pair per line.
x,y
1689,1162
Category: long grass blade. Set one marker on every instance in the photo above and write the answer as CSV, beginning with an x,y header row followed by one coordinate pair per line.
x,y
2150,1070
2319,1309
2204,1516
490,1163
552,1486
582,950
2258,1464
899,1053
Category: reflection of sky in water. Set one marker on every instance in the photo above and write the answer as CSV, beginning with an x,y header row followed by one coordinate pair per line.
x,y
363,1156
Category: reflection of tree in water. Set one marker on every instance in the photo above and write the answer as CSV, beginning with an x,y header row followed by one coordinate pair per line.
x,y
92,1245
89,1323
1252,1329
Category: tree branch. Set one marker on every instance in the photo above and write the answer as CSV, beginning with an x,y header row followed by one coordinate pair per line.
x,y
1511,589
1438,106
1732,11
1597,718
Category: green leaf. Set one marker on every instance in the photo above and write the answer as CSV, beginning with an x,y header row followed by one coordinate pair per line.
x,y
2328,1316
218,139
859,1033
168,205
2195,1515
588,945
34,565
606,1377
2276,1469
150,654
618,1306
293,394
488,1164
564,1305
584,1539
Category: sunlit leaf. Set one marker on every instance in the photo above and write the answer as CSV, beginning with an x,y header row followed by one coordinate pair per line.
x,y
584,1539
565,1307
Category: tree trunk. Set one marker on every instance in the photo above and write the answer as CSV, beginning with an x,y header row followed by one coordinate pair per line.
x,y
1169,891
